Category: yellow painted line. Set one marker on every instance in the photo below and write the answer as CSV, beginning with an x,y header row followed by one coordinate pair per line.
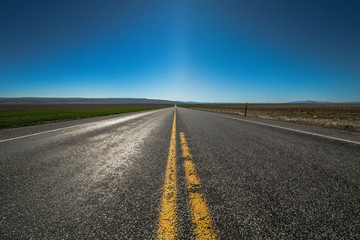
x,y
167,227
204,227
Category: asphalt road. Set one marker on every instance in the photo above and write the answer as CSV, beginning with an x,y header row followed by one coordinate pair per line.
x,y
106,178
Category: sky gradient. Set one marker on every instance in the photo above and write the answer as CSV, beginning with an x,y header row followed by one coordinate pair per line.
x,y
200,50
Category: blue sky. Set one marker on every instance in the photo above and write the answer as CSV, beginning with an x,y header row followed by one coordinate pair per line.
x,y
200,50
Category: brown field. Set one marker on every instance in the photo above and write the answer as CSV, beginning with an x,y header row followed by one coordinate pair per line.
x,y
337,116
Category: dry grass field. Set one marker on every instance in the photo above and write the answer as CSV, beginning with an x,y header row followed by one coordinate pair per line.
x,y
337,116
19,115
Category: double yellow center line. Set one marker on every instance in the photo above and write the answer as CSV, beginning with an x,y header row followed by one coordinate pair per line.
x,y
203,225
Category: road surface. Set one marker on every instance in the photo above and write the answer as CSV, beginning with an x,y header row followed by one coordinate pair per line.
x,y
160,174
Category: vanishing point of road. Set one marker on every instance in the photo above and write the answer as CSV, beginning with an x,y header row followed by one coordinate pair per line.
x,y
178,173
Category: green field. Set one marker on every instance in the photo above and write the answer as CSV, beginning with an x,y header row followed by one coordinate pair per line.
x,y
19,116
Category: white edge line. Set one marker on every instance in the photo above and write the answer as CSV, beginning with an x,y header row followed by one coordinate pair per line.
x,y
289,129
59,129
34,134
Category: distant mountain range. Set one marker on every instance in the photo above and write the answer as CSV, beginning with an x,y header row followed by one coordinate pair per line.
x,y
48,100
41,100
311,101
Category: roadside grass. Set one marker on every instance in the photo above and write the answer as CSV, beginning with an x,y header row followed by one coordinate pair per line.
x,y
349,122
28,117
336,116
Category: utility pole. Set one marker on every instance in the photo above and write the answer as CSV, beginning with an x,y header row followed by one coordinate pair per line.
x,y
246,108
